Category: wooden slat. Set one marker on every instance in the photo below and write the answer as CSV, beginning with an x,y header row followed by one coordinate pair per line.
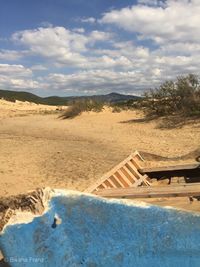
x,y
108,184
125,178
111,172
131,178
133,169
122,180
130,173
152,192
115,181
111,182
135,162
170,168
118,180
104,185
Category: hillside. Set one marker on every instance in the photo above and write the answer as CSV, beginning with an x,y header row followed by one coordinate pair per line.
x,y
56,100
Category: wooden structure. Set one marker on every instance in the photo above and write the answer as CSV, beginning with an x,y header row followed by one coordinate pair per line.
x,y
124,175
130,180
186,170
186,190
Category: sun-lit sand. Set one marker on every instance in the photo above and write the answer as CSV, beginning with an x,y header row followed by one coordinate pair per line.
x,y
39,149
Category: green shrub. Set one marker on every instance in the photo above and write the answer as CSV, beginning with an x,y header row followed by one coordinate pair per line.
x,y
181,96
80,106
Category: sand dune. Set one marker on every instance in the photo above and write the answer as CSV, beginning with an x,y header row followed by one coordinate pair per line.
x,y
42,150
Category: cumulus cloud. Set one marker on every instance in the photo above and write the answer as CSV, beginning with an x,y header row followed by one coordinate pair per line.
x,y
16,77
59,44
162,40
11,55
178,20
98,81
16,70
56,43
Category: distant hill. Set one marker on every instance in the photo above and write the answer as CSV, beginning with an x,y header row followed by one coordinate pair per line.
x,y
59,101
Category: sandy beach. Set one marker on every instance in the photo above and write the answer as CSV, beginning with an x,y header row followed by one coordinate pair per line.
x,y
38,149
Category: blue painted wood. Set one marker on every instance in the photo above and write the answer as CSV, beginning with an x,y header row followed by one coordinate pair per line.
x,y
100,233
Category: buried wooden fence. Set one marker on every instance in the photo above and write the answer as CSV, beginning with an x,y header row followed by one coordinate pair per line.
x,y
124,175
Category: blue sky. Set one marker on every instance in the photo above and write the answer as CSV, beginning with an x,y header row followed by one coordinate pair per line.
x,y
81,47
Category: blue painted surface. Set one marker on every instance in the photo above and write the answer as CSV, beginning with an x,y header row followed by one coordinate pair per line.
x,y
96,232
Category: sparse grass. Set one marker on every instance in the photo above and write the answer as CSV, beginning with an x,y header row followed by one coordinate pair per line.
x,y
81,106
116,109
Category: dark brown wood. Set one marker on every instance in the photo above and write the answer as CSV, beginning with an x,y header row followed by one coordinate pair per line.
x,y
170,168
185,190
186,170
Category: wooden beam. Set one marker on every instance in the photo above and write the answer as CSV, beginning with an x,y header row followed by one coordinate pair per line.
x,y
152,192
170,168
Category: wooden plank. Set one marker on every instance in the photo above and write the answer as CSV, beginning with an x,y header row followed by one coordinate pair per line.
x,y
111,182
104,185
119,181
170,168
130,173
115,181
108,184
113,170
122,180
135,162
124,177
152,192
133,169
131,177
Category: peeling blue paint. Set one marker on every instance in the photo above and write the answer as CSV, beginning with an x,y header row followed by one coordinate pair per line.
x,y
97,233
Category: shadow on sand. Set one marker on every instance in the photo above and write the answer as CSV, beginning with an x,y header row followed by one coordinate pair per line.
x,y
170,122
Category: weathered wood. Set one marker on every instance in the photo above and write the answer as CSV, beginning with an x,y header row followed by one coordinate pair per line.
x,y
117,177
130,174
125,178
152,192
118,180
170,168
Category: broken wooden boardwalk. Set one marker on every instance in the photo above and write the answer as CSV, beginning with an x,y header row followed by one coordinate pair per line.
x,y
124,175
185,190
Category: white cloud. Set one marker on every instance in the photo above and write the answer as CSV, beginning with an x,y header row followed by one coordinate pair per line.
x,y
16,70
57,43
99,36
11,55
16,77
60,44
88,20
79,30
178,20
100,61
98,81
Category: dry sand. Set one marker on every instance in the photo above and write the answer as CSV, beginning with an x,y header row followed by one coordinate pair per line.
x,y
38,149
